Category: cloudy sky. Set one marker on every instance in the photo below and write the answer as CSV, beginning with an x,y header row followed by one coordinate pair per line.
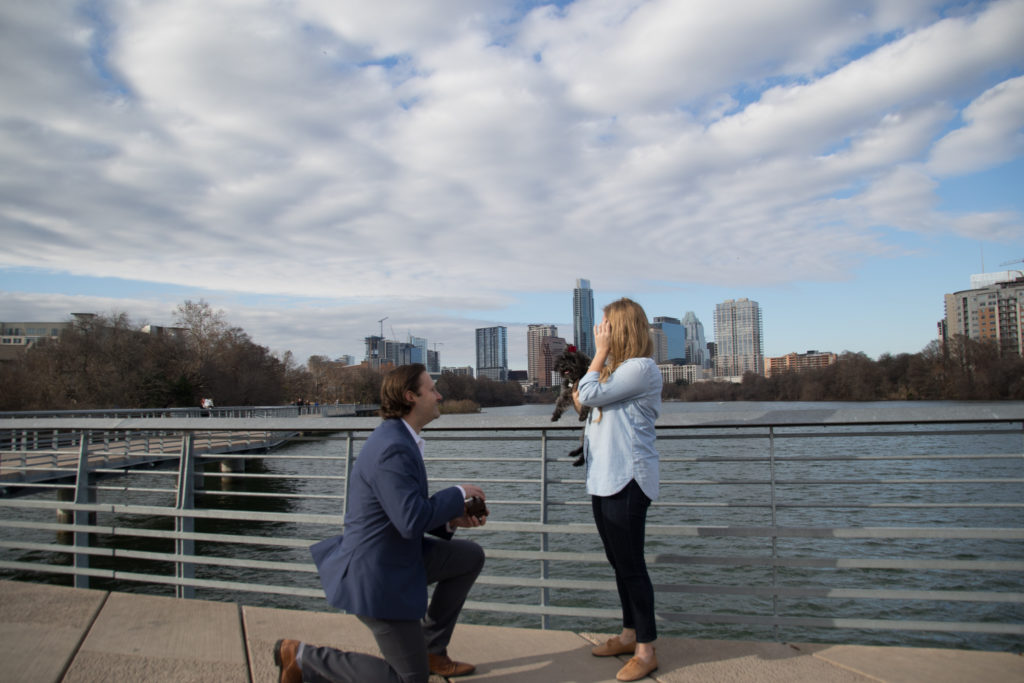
x,y
313,166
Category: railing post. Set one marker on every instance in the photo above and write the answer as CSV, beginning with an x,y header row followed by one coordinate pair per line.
x,y
84,494
348,471
186,500
775,539
545,619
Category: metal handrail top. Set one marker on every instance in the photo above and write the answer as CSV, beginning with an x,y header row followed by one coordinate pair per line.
x,y
891,413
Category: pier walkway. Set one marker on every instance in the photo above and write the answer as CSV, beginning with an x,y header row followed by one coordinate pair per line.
x,y
54,633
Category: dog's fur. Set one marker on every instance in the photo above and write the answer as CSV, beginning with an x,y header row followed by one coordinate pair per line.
x,y
571,365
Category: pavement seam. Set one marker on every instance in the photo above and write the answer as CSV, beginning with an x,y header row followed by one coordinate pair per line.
x,y
245,642
85,634
846,667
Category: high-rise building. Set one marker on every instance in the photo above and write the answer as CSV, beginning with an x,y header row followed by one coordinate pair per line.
x,y
381,352
660,344
551,349
433,361
798,362
535,371
492,353
583,317
696,346
671,373
740,338
994,312
675,339
418,353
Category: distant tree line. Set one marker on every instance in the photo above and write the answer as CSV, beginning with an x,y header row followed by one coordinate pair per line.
x,y
108,362
104,362
961,370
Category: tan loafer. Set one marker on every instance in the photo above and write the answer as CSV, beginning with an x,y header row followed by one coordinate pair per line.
x,y
613,646
284,656
636,669
443,665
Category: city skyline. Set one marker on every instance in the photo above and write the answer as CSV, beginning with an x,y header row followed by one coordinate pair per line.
x,y
312,169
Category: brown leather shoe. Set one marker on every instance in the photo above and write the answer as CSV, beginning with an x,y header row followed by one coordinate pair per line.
x,y
613,646
284,657
443,665
636,669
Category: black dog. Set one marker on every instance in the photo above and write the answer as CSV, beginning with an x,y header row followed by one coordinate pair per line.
x,y
571,365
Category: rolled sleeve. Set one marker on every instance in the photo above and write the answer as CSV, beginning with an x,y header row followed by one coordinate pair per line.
x,y
629,380
619,446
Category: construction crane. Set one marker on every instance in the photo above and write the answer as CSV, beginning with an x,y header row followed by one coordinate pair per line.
x,y
1010,263
377,358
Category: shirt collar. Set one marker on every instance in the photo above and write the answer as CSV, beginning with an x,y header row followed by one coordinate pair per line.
x,y
419,439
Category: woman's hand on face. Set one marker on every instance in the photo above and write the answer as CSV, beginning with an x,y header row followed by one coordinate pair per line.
x,y
602,337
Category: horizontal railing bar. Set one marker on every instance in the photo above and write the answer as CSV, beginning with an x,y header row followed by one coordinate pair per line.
x,y
762,591
903,415
1004,533
34,456
275,477
100,487
164,557
121,532
817,482
244,515
837,622
550,610
57,569
843,593
487,481
766,561
568,556
275,495
814,506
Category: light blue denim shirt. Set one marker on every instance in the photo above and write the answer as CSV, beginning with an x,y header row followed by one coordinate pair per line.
x,y
620,447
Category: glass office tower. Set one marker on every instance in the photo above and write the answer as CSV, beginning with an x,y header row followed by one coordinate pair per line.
x,y
492,353
583,317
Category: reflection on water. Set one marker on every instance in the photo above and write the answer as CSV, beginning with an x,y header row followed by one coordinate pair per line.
x,y
307,477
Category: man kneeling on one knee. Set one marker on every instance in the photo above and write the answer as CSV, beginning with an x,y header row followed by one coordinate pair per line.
x,y
380,568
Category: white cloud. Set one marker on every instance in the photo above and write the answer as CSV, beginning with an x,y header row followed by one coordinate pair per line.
x,y
454,152
993,132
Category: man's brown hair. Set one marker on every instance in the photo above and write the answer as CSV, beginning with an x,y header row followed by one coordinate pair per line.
x,y
392,392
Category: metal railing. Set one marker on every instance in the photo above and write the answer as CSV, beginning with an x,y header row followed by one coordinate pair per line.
x,y
306,409
769,525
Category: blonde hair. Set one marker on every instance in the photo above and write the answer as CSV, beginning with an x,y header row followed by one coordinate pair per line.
x,y
630,334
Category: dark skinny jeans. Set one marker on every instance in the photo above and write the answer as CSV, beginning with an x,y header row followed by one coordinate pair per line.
x,y
621,520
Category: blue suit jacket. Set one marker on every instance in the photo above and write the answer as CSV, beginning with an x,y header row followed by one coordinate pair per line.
x,y
376,568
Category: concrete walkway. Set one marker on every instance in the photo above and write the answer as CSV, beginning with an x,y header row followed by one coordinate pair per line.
x,y
53,633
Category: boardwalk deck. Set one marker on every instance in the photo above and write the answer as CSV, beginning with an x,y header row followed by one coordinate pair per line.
x,y
60,634
32,464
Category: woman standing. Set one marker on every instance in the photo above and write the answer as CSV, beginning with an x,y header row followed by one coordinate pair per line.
x,y
623,386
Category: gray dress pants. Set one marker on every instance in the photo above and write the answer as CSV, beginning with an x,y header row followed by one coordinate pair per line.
x,y
453,565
